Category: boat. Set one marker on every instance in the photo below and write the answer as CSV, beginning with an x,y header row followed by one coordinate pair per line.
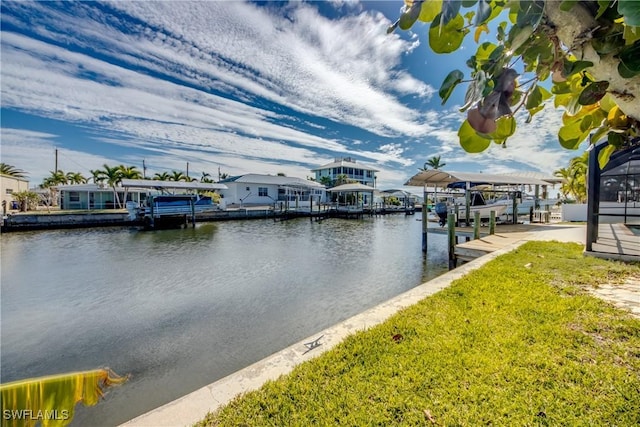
x,y
457,205
171,210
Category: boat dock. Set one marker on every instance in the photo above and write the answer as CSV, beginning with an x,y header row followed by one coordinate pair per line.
x,y
468,243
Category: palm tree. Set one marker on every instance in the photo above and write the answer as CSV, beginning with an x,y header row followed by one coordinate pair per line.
x,y
177,176
129,172
575,178
164,176
325,180
206,177
56,178
96,176
6,169
434,162
565,175
113,176
578,168
75,178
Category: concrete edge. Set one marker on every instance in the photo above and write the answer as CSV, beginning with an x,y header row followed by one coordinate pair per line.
x,y
193,407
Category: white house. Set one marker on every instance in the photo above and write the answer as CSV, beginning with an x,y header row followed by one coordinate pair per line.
x,y
256,189
348,167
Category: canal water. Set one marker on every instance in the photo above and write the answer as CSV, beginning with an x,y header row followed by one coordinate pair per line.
x,y
179,309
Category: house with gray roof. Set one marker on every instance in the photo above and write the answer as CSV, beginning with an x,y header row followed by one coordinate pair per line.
x,y
256,189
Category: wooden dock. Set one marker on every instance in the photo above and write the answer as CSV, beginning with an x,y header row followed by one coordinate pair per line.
x,y
473,249
464,248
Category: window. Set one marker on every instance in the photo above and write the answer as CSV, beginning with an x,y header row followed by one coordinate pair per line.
x,y
9,190
263,191
74,196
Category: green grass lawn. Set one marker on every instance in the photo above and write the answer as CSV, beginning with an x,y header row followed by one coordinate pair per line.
x,y
517,342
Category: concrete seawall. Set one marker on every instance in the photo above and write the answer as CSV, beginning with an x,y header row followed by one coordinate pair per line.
x,y
58,220
42,221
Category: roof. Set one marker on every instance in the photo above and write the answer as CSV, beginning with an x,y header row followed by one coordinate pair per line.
x,y
82,187
354,187
253,178
149,183
343,163
443,178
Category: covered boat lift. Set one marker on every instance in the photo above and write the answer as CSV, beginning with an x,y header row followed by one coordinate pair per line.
x,y
356,209
470,180
171,186
175,203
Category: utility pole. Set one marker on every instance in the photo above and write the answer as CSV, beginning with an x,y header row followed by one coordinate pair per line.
x,y
144,170
56,169
187,170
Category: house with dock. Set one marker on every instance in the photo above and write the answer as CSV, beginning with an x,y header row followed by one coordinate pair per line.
x,y
275,190
345,167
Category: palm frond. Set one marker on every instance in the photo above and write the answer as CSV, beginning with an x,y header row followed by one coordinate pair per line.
x,y
51,400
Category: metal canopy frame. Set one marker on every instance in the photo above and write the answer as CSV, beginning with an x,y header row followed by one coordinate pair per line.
x,y
441,178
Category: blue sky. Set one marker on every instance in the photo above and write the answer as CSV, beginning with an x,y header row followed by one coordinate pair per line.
x,y
269,87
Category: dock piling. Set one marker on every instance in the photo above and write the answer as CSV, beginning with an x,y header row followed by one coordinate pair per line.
x,y
425,223
476,225
451,232
492,222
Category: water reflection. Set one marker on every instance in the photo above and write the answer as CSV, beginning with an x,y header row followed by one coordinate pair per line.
x,y
179,309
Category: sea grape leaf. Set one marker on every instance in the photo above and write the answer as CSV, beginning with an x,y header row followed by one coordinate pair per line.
x,y
430,9
631,34
450,9
603,5
630,57
475,91
593,93
483,13
470,141
530,13
630,9
449,83
448,38
409,16
605,154
570,68
536,97
518,36
484,28
505,127
570,136
615,139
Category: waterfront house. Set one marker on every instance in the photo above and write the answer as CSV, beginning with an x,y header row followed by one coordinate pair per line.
x,y
346,167
94,196
256,189
10,185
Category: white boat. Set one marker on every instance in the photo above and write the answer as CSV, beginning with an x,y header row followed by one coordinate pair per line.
x,y
450,204
525,203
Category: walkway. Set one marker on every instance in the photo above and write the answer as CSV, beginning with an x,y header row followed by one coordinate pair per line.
x,y
194,407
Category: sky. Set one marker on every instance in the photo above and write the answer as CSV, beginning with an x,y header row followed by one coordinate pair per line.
x,y
234,87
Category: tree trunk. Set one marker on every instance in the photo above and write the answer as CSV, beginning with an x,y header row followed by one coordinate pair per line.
x,y
577,22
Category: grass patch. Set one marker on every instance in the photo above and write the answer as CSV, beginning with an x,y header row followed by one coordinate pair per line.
x,y
504,345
